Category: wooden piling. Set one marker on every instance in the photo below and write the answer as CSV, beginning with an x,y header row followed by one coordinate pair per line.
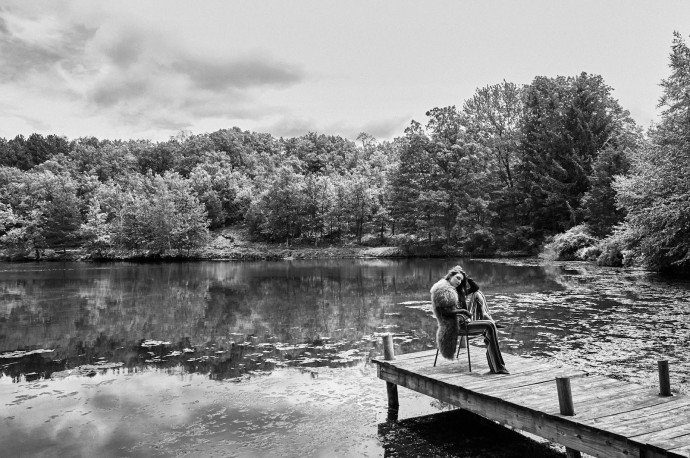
x,y
664,379
565,396
391,388
565,402
388,350
393,405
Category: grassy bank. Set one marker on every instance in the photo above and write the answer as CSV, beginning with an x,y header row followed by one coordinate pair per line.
x,y
234,245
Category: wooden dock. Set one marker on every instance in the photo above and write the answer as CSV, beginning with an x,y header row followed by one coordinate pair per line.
x,y
612,418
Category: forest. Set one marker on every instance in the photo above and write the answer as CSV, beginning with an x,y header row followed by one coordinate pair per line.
x,y
556,167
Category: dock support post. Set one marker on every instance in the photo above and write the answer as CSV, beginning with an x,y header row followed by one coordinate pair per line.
x,y
565,396
664,379
388,350
391,388
393,406
565,402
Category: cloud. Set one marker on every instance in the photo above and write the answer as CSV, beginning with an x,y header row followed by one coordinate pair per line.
x,y
385,129
111,92
130,72
240,73
146,82
123,46
289,126
30,46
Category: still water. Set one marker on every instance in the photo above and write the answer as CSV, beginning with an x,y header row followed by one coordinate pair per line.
x,y
271,358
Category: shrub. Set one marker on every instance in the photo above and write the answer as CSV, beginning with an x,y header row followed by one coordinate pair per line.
x,y
590,253
618,249
611,256
371,240
565,246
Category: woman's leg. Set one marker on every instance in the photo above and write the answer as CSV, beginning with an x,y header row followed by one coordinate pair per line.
x,y
493,352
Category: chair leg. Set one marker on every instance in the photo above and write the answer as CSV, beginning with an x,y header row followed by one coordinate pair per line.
x,y
466,330
436,357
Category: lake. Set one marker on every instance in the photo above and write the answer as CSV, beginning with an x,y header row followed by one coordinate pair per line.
x,y
272,358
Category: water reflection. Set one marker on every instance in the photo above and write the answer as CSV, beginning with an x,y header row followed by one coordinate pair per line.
x,y
230,319
224,319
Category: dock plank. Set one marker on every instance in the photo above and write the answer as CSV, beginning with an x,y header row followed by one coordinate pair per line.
x,y
514,364
479,364
614,405
415,355
682,451
670,438
586,388
497,385
645,412
653,424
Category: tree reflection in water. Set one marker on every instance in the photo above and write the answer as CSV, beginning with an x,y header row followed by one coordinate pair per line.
x,y
230,319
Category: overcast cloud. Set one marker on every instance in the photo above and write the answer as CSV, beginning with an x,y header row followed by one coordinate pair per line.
x,y
134,69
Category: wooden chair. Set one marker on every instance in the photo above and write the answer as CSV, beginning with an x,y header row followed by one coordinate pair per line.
x,y
464,333
479,309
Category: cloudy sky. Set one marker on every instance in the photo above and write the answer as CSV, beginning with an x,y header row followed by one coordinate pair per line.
x,y
150,69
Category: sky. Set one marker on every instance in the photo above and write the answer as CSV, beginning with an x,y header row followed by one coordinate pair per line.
x,y
147,69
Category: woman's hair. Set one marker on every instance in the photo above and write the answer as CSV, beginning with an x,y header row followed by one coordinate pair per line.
x,y
456,270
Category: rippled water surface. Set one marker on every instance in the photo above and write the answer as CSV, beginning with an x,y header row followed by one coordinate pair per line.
x,y
271,358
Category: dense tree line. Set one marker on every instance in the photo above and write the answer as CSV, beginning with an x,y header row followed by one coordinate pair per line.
x,y
656,192
556,161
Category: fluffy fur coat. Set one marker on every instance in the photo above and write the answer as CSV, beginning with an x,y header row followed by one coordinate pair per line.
x,y
444,299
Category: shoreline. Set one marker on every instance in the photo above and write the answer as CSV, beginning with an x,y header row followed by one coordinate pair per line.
x,y
256,252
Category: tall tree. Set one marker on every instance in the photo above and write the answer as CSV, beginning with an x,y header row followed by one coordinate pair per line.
x,y
217,186
568,121
656,195
434,186
45,208
410,179
494,117
62,213
599,203
318,202
277,212
95,231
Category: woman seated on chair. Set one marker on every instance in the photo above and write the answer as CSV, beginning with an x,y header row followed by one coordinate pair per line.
x,y
449,304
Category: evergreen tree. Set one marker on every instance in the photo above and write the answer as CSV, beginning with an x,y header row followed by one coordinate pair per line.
x,y
568,121
599,203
